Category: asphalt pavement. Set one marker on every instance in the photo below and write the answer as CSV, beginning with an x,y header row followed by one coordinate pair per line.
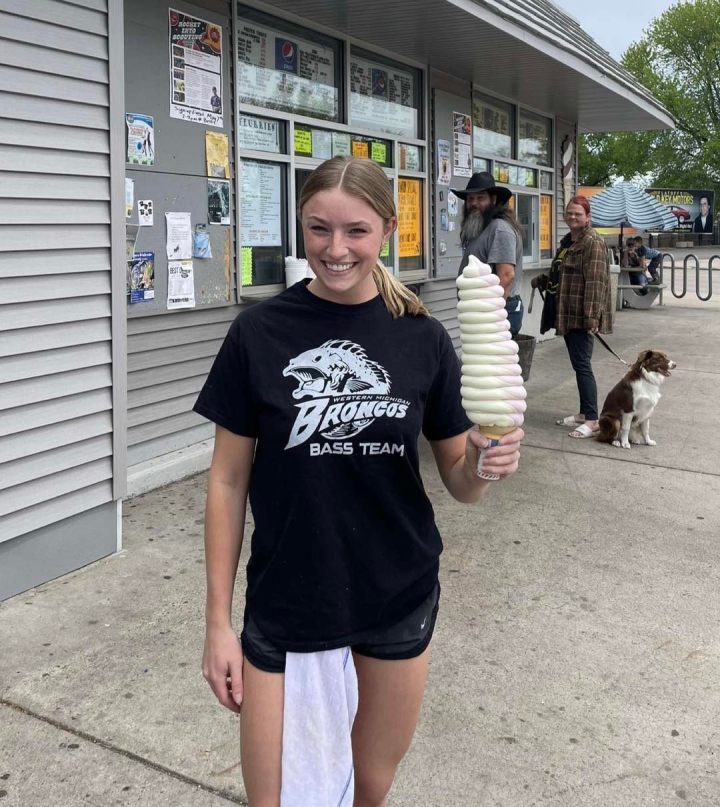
x,y
576,655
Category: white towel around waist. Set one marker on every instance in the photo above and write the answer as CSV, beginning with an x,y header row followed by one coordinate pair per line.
x,y
321,697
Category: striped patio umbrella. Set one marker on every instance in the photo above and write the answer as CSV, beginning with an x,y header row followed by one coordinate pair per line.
x,y
625,205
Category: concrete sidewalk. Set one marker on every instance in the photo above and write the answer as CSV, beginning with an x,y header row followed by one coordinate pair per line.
x,y
576,655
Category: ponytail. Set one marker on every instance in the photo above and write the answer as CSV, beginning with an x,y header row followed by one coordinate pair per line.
x,y
398,299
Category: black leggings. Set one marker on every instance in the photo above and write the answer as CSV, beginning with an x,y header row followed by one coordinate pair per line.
x,y
580,347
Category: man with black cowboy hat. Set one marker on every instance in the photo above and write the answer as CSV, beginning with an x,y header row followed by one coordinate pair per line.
x,y
491,232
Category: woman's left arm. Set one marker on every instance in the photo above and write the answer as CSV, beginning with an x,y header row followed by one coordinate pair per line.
x,y
457,461
595,272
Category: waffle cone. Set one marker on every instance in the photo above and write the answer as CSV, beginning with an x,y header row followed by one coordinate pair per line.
x,y
495,432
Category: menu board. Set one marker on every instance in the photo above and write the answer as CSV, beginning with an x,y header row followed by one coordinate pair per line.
x,y
259,134
409,217
279,71
260,205
492,128
382,98
534,142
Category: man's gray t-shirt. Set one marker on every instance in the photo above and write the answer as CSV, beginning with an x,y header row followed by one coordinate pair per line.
x,y
497,243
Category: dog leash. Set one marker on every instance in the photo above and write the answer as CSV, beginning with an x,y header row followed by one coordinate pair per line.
x,y
607,347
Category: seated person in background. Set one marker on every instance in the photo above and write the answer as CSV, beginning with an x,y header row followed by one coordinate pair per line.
x,y
632,261
646,254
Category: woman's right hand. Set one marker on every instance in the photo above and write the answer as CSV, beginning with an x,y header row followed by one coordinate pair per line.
x,y
222,666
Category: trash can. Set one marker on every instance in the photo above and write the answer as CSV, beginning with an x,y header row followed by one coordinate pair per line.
x,y
526,349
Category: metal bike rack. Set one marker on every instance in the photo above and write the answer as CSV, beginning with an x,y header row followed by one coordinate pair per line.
x,y
697,279
688,258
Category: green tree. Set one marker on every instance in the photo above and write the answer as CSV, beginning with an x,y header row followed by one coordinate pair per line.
x,y
678,60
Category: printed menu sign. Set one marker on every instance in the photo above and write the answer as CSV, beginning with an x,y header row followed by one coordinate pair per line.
x,y
260,199
285,72
195,69
382,98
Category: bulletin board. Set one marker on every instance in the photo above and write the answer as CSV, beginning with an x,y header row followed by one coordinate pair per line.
x,y
177,179
448,211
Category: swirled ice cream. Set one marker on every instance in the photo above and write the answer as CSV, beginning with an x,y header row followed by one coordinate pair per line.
x,y
493,394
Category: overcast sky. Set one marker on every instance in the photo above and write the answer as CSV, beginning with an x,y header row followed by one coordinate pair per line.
x,y
615,24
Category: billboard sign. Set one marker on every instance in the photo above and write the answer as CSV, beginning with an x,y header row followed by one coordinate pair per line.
x,y
692,208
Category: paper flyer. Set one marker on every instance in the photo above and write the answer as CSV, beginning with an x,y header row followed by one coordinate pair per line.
x,y
443,149
129,197
462,145
178,244
340,144
181,285
141,139
141,277
218,193
321,144
216,155
195,69
145,212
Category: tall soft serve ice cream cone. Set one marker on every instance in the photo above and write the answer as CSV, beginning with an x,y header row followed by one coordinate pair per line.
x,y
493,394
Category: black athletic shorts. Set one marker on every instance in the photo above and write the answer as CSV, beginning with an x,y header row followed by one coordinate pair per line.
x,y
405,639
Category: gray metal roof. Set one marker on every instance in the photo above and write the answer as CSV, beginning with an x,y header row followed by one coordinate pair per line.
x,y
527,50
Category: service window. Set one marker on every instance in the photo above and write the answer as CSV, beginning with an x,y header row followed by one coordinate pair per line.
x,y
535,143
285,67
493,126
263,222
385,95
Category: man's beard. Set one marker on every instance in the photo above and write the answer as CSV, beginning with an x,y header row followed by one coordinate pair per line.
x,y
473,224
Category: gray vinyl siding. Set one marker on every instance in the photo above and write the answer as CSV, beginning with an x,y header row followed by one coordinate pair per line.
x,y
168,360
56,334
440,297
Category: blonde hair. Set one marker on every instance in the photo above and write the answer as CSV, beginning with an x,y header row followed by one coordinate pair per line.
x,y
365,180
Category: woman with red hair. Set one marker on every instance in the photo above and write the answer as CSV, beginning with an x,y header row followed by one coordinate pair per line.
x,y
578,288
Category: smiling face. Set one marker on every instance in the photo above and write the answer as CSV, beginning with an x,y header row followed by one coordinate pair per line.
x,y
343,236
576,218
704,206
481,201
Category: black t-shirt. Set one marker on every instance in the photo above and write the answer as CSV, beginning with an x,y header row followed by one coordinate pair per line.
x,y
336,395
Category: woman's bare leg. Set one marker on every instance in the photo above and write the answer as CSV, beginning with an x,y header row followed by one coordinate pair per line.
x,y
390,697
261,728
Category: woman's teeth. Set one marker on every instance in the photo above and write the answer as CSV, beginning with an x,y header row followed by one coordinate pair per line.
x,y
339,267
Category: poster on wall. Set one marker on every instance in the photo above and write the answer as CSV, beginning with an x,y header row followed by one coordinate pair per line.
x,y
216,155
409,217
443,148
218,193
181,285
462,145
382,98
693,209
195,69
285,72
546,225
260,212
141,277
178,240
140,139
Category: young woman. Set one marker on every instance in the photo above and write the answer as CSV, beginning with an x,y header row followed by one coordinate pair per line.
x,y
319,396
584,306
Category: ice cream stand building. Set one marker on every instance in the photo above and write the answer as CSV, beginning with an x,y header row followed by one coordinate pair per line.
x,y
151,155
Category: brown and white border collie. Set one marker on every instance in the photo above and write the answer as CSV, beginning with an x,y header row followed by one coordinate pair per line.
x,y
625,416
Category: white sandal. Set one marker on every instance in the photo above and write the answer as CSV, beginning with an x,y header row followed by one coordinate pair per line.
x,y
582,432
570,420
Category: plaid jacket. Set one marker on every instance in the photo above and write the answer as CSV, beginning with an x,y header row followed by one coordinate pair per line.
x,y
584,297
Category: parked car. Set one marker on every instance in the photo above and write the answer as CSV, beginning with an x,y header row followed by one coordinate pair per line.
x,y
680,212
